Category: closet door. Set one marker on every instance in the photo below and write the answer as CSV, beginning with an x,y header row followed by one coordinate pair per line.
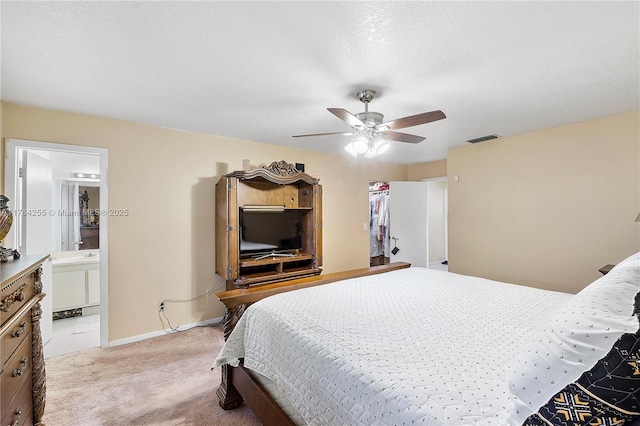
x,y
408,222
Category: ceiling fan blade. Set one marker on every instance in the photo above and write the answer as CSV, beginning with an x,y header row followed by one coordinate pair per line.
x,y
345,115
413,120
324,134
401,137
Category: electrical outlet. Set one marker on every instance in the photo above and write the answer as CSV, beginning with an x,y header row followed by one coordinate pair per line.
x,y
161,306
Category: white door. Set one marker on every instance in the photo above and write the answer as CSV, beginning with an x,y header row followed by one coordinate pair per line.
x,y
37,226
408,223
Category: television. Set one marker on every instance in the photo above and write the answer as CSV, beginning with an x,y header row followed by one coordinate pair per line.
x,y
270,231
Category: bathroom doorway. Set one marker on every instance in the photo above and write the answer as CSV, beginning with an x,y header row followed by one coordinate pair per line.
x,y
70,183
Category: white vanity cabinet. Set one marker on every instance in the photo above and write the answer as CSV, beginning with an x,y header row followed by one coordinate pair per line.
x,y
93,286
75,285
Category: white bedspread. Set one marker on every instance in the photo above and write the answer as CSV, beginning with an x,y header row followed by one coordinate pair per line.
x,y
414,346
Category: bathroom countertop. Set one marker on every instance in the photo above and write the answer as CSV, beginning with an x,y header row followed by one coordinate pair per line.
x,y
75,260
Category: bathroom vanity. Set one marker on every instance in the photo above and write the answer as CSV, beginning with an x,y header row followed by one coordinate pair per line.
x,y
76,284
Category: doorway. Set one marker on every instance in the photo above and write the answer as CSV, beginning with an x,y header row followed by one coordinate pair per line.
x,y
408,222
70,183
379,249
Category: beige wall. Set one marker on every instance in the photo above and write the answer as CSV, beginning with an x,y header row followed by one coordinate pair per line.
x,y
547,208
427,170
166,178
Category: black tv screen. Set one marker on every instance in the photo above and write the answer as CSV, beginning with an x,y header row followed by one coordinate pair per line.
x,y
262,231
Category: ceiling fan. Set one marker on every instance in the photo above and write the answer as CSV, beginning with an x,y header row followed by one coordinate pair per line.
x,y
372,132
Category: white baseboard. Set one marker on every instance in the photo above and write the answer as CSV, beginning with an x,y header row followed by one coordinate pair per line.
x,y
158,333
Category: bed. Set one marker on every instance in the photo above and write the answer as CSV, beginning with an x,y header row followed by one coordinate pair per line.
x,y
427,347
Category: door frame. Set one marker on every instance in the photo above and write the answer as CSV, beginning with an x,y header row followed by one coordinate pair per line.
x,y
10,174
445,207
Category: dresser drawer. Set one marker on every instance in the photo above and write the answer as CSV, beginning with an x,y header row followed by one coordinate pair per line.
x,y
14,295
16,371
19,411
17,333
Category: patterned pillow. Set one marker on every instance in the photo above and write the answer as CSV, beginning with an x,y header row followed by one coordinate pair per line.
x,y
608,394
573,341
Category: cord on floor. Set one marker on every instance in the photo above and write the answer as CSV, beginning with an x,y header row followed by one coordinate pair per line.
x,y
161,309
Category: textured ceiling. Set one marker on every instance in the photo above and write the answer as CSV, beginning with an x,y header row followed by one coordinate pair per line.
x,y
265,71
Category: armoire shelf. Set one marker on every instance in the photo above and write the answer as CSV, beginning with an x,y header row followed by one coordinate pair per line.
x,y
280,186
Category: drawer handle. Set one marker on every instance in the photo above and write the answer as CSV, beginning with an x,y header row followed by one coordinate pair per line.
x,y
23,363
16,422
16,296
18,333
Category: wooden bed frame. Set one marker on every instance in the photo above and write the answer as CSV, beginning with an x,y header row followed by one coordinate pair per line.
x,y
237,382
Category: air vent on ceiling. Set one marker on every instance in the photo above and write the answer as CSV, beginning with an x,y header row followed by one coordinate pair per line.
x,y
483,138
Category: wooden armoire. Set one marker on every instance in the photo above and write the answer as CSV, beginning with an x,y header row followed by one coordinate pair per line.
x,y
279,187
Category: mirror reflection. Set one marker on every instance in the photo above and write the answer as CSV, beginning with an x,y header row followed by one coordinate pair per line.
x,y
79,227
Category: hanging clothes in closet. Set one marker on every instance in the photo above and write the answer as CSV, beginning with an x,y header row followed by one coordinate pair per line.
x,y
379,250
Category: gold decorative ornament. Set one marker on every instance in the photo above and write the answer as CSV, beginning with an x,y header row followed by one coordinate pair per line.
x,y
6,220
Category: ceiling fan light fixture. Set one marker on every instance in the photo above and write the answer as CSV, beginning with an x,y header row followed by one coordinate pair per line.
x,y
360,145
382,148
349,148
368,146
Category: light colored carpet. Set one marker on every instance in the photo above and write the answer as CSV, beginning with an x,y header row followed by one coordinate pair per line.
x,y
164,381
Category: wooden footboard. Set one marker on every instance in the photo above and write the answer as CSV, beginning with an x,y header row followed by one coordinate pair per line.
x,y
237,383
262,404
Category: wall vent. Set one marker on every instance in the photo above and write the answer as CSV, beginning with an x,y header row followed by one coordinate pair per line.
x,y
483,138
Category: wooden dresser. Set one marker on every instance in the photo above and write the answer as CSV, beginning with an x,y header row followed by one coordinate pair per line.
x,y
22,373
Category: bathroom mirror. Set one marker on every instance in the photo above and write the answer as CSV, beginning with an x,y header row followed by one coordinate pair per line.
x,y
78,221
